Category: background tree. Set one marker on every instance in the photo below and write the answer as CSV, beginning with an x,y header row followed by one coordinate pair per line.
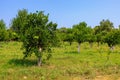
x,y
80,33
106,25
113,38
91,36
13,36
18,22
102,30
61,33
69,36
119,27
98,35
2,25
3,32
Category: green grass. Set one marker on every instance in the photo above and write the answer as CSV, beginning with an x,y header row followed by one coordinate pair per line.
x,y
65,64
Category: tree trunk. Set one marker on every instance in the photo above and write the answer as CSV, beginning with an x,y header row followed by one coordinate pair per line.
x,y
91,44
39,61
40,58
78,47
70,43
98,44
111,48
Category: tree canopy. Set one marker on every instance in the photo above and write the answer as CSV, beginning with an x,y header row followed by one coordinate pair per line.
x,y
3,32
102,30
2,25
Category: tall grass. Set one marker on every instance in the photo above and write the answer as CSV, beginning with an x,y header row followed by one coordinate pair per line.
x,y
65,64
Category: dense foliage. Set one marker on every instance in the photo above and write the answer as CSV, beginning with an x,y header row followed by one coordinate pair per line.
x,y
36,32
4,36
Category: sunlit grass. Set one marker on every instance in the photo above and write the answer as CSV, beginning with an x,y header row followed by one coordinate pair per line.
x,y
65,64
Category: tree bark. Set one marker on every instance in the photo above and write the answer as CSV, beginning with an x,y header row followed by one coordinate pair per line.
x,y
39,61
70,43
98,44
91,44
111,48
78,47
40,58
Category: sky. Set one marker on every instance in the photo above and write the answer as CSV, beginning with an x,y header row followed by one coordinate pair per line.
x,y
65,13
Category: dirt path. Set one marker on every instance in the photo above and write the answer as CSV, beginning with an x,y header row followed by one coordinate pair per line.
x,y
107,77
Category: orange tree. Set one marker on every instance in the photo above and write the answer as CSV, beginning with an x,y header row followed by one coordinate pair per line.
x,y
80,33
113,38
37,33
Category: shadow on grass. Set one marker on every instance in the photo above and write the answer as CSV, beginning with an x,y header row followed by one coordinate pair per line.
x,y
22,62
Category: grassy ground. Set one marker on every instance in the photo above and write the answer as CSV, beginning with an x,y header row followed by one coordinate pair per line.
x,y
65,64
